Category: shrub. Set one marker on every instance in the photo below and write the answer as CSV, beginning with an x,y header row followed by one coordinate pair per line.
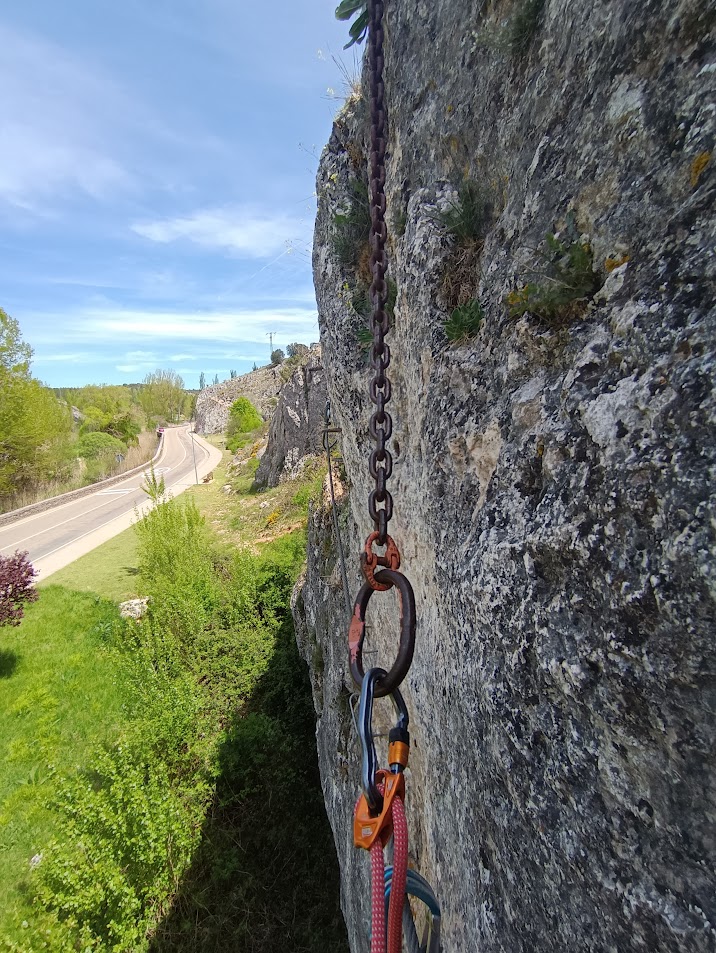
x,y
93,445
243,416
562,288
244,419
277,356
16,587
184,831
466,219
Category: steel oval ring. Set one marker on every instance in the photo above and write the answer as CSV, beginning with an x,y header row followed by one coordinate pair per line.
x,y
406,645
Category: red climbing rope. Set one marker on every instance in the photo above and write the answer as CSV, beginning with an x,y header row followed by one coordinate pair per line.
x,y
377,923
400,876
390,940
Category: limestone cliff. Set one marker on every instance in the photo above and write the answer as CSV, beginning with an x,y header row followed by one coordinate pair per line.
x,y
297,423
214,402
554,467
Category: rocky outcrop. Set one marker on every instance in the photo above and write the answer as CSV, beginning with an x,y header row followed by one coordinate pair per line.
x,y
213,403
297,424
553,481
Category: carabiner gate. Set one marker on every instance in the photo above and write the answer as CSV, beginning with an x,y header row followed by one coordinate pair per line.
x,y
399,737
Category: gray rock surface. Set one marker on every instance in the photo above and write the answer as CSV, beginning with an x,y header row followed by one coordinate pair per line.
x,y
554,488
214,402
297,423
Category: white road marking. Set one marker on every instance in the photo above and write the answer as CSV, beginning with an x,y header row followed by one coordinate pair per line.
x,y
21,542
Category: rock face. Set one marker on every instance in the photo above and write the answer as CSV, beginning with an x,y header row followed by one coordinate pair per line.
x,y
297,423
213,403
553,482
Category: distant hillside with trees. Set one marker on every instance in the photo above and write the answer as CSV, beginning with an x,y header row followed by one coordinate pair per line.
x,y
56,439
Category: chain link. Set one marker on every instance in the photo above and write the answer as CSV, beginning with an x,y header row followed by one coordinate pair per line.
x,y
381,424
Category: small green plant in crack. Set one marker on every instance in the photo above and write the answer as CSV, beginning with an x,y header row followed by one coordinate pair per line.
x,y
523,26
563,287
362,305
464,322
466,219
351,231
400,220
514,35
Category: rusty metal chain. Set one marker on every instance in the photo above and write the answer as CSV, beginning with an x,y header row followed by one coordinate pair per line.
x,y
380,501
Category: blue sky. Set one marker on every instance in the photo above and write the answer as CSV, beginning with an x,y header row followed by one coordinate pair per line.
x,y
157,177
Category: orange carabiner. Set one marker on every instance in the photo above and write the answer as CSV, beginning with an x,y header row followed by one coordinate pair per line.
x,y
367,828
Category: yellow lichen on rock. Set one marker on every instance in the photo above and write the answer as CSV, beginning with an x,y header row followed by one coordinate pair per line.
x,y
698,166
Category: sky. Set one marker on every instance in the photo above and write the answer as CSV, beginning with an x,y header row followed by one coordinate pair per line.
x,y
157,180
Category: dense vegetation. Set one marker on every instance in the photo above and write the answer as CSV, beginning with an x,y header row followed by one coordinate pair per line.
x,y
54,440
197,823
244,418
34,425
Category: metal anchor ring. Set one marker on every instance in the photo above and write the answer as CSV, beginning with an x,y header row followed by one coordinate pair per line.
x,y
356,633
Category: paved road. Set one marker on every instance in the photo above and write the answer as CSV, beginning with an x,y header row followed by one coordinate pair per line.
x,y
62,534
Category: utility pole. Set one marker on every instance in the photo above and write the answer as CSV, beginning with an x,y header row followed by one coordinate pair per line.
x,y
269,335
193,453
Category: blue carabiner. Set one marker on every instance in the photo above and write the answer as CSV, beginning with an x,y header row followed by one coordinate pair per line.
x,y
369,763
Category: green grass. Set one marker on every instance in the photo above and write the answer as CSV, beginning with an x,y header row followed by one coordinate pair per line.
x,y
109,571
140,775
60,698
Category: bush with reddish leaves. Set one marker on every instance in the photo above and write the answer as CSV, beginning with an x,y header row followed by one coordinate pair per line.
x,y
16,587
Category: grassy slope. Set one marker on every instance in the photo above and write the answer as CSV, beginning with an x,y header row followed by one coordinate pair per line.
x,y
109,571
57,684
59,699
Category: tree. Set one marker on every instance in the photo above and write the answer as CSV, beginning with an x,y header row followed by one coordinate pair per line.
x,y
16,587
277,356
15,354
297,350
233,375
216,378
255,367
243,416
243,419
162,394
93,445
34,425
202,381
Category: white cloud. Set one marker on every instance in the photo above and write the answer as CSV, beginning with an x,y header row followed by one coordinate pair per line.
x,y
56,120
76,358
241,325
244,231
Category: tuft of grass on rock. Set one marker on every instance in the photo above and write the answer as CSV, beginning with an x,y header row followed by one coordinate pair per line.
x,y
561,290
464,322
523,26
